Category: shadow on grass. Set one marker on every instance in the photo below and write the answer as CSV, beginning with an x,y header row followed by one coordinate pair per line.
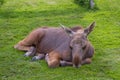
x,y
1,2
52,13
86,4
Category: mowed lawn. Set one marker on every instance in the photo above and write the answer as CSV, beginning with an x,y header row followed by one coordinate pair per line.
x,y
19,17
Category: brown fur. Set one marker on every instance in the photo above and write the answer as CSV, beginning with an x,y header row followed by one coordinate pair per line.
x,y
57,43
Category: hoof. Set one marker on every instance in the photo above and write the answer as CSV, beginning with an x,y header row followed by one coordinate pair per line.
x,y
35,58
27,54
77,66
63,63
46,57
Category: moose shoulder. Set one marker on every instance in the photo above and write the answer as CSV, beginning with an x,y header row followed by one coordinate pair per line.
x,y
63,46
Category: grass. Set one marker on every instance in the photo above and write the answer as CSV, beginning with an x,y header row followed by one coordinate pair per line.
x,y
19,17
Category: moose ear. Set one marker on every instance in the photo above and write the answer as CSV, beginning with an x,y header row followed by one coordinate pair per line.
x,y
67,30
89,29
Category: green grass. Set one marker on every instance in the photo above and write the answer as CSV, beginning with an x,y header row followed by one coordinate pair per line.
x,y
19,17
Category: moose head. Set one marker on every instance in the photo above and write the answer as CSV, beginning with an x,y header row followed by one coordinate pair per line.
x,y
78,43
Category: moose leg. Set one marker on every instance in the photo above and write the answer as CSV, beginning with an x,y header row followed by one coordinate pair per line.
x,y
53,60
30,52
25,44
32,39
38,57
86,61
65,63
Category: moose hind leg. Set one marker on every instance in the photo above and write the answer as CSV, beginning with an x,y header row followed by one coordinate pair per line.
x,y
21,47
38,57
32,39
30,52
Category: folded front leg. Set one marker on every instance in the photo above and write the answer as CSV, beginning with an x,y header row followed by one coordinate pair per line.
x,y
86,61
53,59
65,63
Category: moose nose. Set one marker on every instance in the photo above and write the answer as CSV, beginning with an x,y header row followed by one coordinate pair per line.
x,y
76,66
